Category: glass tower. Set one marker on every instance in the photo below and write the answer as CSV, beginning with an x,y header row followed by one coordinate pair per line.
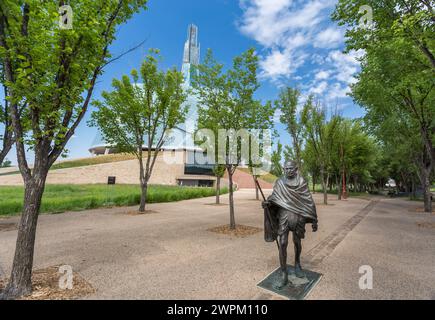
x,y
191,53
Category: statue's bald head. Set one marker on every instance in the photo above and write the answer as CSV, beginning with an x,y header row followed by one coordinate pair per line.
x,y
290,168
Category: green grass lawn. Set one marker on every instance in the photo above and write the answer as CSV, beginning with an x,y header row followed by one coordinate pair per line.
x,y
61,198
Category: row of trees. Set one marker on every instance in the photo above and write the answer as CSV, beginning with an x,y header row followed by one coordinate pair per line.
x,y
396,84
137,114
328,148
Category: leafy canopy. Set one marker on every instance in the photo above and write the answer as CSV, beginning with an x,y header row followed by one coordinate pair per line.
x,y
141,113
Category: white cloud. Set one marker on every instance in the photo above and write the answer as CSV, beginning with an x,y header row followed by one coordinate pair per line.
x,y
258,17
337,91
345,65
285,28
322,75
276,64
301,43
280,64
320,88
329,38
277,116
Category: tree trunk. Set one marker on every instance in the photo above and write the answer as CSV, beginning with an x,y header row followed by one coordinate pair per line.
x,y
218,190
20,282
344,186
413,196
231,197
426,188
314,183
325,178
4,152
143,183
143,196
7,145
257,195
339,187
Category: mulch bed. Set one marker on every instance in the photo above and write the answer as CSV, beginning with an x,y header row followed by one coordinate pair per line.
x,y
45,284
8,226
420,210
426,225
137,213
241,231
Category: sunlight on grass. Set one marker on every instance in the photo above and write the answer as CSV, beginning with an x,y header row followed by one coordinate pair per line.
x,y
61,198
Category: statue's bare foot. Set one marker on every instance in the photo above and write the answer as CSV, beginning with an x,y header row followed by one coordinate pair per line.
x,y
282,282
298,271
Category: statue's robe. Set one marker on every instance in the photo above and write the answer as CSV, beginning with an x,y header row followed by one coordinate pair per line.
x,y
291,204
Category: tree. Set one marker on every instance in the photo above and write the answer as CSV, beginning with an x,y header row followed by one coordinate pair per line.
x,y
287,103
394,21
52,72
361,157
321,135
6,137
354,154
403,150
219,172
341,156
397,75
276,159
136,114
311,165
227,105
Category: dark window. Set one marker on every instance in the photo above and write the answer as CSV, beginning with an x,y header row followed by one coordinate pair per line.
x,y
199,169
195,183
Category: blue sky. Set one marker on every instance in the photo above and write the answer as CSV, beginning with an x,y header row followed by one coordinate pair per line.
x,y
296,40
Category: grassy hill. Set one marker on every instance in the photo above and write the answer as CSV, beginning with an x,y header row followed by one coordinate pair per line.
x,y
85,162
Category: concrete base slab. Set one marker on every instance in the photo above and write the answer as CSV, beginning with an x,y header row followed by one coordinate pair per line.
x,y
297,288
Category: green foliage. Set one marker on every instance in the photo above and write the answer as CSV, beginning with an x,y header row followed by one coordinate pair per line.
x,y
320,132
136,114
61,198
276,159
227,102
395,22
287,103
226,99
50,73
396,85
219,170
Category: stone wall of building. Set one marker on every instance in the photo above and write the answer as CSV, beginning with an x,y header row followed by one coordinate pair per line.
x,y
126,172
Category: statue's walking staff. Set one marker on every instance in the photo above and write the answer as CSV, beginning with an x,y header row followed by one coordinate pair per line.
x,y
268,218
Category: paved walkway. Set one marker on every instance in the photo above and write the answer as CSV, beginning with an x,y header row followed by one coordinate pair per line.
x,y
171,255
